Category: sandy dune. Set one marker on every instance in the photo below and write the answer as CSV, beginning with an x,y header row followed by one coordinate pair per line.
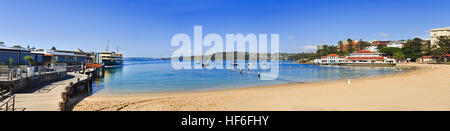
x,y
424,89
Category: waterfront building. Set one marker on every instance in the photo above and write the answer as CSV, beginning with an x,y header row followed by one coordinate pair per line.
x,y
436,33
432,59
59,56
17,54
368,57
332,59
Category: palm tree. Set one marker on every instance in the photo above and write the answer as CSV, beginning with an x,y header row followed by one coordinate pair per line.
x,y
29,59
11,62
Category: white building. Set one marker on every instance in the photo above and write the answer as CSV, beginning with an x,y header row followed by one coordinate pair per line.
x,y
397,44
436,33
372,48
368,57
332,59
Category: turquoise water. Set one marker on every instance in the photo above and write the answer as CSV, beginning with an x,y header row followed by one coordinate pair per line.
x,y
159,76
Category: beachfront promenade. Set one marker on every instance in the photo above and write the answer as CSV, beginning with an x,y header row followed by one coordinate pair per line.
x,y
47,98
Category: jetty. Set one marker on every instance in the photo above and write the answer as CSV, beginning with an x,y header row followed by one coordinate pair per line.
x,y
54,90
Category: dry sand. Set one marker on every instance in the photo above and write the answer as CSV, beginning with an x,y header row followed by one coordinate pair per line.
x,y
423,89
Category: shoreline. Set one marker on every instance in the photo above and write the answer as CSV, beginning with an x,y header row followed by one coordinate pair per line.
x,y
413,68
274,97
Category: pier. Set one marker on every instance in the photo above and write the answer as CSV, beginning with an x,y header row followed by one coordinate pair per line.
x,y
55,90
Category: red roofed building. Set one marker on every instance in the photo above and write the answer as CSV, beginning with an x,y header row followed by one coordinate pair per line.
x,y
432,59
332,59
368,57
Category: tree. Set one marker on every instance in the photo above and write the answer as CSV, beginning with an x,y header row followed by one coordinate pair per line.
x,y
381,46
444,46
29,59
412,48
327,50
341,45
11,62
350,45
363,45
17,46
53,48
399,56
390,51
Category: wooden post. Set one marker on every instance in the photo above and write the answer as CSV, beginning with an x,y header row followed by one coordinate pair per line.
x,y
61,106
67,88
64,96
14,103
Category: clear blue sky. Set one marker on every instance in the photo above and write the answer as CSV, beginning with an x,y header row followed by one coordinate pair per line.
x,y
145,27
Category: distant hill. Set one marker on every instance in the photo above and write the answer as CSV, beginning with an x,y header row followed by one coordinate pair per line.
x,y
141,58
282,56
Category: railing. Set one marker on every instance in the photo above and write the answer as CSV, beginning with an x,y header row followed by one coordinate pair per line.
x,y
25,72
8,104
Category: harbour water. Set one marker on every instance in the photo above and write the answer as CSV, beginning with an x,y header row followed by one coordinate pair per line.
x,y
142,76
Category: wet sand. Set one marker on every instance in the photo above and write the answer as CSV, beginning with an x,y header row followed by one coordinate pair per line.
x,y
426,88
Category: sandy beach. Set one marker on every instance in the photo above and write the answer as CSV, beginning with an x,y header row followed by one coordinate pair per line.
x,y
426,88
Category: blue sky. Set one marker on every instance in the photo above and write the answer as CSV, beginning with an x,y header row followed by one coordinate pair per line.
x,y
145,27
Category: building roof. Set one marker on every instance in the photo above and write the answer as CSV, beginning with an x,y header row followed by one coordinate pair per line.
x,y
54,53
441,29
332,55
430,56
13,49
365,58
366,51
435,56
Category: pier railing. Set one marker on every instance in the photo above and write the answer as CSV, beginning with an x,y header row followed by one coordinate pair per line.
x,y
10,74
8,104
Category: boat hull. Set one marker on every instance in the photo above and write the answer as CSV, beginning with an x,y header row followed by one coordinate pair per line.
x,y
112,62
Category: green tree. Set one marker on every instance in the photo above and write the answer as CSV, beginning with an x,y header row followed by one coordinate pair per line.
x,y
350,45
29,59
11,62
342,53
381,46
399,56
390,51
444,47
412,48
17,46
341,45
363,45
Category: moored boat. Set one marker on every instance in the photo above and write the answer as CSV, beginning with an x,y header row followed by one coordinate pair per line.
x,y
111,58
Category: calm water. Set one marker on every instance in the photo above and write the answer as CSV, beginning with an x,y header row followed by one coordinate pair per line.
x,y
159,76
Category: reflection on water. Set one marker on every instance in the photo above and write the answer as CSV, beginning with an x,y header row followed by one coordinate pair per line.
x,y
106,76
159,76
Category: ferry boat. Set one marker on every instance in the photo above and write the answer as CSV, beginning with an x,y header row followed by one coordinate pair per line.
x,y
111,58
